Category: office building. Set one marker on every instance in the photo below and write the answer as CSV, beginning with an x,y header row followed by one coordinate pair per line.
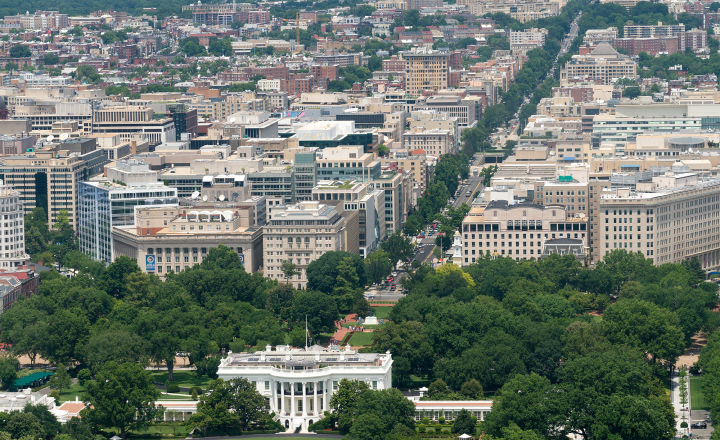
x,y
453,106
347,163
129,121
105,205
672,219
425,70
48,178
13,229
398,188
165,240
516,229
356,196
301,233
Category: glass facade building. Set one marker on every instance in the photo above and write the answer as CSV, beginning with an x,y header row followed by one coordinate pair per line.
x,y
103,205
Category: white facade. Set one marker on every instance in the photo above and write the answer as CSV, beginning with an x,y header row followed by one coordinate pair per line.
x,y
12,228
299,383
269,84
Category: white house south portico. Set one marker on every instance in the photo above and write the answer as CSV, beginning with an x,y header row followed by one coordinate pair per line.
x,y
298,383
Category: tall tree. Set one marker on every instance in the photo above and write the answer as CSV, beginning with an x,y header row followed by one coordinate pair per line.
x,y
289,270
232,404
344,402
378,266
398,248
122,396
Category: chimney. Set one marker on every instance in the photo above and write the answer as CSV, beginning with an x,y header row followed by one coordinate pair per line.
x,y
133,148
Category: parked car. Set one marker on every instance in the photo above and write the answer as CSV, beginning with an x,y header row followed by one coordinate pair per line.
x,y
699,425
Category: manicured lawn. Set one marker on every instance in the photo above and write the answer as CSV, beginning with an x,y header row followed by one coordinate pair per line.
x,y
70,393
182,378
166,429
164,396
361,339
697,396
366,326
382,312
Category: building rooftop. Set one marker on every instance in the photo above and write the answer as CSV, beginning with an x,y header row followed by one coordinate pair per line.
x,y
303,359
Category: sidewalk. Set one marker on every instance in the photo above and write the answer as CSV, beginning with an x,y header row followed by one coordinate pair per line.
x,y
680,412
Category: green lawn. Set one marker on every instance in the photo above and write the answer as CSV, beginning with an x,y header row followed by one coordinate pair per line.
x,y
382,312
361,339
164,396
166,429
697,396
70,393
182,378
366,326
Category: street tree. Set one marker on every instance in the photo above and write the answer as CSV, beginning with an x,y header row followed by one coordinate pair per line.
x,y
378,266
398,248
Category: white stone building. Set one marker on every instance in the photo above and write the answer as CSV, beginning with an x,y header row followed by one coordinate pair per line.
x,y
299,383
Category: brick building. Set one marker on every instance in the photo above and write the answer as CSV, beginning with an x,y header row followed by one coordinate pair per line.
x,y
330,72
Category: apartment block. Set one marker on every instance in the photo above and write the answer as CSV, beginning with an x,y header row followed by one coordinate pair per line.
x,y
603,65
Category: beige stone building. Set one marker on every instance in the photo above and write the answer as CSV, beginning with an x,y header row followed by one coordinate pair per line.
x,y
668,225
603,64
301,233
517,230
434,142
425,70
164,240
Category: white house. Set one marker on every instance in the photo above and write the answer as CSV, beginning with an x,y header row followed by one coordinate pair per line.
x,y
298,383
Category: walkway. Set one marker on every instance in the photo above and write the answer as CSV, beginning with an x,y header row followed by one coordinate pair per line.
x,y
681,414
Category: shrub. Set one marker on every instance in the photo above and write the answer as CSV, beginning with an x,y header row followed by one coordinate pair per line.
x,y
441,420
684,425
425,421
83,376
194,394
438,428
422,428
55,394
173,388
197,390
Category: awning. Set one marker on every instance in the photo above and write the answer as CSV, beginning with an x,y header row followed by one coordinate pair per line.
x,y
568,159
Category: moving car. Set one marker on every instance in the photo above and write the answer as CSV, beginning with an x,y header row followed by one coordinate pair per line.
x,y
699,425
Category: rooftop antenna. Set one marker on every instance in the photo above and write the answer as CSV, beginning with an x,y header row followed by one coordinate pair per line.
x,y
50,138
64,136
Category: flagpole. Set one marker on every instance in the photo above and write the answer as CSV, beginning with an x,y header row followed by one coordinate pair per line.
x,y
306,333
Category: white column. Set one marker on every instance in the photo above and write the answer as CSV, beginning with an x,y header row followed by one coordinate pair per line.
x,y
282,398
316,411
273,397
292,399
304,401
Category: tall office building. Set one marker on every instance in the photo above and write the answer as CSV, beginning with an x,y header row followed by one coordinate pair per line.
x,y
103,205
48,178
425,70
12,228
